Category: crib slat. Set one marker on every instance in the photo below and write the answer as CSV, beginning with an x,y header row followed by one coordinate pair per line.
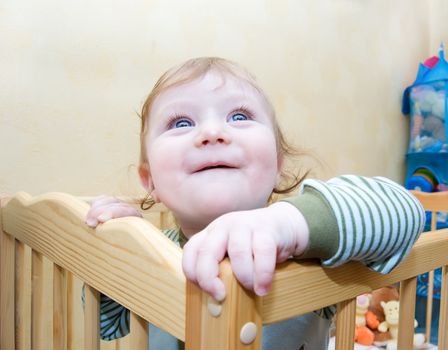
x,y
7,248
429,302
204,331
443,314
59,308
37,314
70,327
23,297
91,319
139,333
407,313
345,324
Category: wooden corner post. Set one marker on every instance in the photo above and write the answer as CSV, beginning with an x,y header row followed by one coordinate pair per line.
x,y
234,324
7,280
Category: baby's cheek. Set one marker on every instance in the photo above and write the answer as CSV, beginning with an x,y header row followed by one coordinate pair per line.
x,y
264,178
267,159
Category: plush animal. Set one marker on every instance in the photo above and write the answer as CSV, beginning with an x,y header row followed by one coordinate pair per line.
x,y
363,335
362,304
384,294
377,319
391,311
424,97
434,127
417,126
438,107
428,132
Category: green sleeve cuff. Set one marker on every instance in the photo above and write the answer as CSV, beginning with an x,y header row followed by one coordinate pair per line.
x,y
322,224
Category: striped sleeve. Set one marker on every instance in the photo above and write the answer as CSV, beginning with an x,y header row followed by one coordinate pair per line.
x,y
114,319
377,220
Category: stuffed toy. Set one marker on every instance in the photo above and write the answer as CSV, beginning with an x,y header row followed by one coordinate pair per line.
x,y
377,319
363,334
391,311
384,294
434,127
362,304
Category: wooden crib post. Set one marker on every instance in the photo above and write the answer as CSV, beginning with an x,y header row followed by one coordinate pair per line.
x,y
429,302
236,320
38,340
59,308
91,318
407,313
443,314
345,324
430,296
7,262
23,296
139,332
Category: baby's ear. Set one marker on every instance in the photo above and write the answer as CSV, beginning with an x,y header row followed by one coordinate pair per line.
x,y
145,176
146,180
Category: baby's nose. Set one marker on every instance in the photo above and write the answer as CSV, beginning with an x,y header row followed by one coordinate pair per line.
x,y
212,133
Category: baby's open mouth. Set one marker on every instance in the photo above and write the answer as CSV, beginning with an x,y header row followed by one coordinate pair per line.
x,y
219,166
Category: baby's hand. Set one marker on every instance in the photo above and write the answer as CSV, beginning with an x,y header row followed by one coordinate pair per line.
x,y
255,241
104,208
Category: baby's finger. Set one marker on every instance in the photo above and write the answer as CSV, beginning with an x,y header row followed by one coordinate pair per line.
x,y
118,210
115,207
265,256
210,254
108,212
103,200
96,209
189,255
240,254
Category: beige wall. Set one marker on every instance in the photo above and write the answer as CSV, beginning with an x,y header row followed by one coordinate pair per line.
x,y
74,73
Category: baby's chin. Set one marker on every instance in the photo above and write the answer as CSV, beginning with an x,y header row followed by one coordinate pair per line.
x,y
202,214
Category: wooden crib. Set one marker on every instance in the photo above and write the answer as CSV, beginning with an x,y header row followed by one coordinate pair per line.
x,y
131,261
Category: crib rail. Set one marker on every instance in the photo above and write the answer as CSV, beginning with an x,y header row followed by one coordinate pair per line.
x,y
129,260
135,264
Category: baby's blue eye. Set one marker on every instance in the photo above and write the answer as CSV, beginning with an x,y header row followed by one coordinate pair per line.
x,y
238,117
181,123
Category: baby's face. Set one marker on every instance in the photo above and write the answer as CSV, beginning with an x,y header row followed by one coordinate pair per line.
x,y
211,149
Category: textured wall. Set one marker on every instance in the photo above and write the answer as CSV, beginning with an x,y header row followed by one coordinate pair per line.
x,y
73,75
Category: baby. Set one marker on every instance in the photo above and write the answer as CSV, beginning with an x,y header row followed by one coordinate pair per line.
x,y
212,152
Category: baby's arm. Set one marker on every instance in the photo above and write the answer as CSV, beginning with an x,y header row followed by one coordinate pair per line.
x,y
375,221
372,220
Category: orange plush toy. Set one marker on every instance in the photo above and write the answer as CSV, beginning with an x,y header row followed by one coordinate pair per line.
x,y
363,335
371,320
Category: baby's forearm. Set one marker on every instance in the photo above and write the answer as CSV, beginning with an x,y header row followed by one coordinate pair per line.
x,y
295,222
372,220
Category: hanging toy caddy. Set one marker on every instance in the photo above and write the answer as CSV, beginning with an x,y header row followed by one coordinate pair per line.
x,y
426,102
